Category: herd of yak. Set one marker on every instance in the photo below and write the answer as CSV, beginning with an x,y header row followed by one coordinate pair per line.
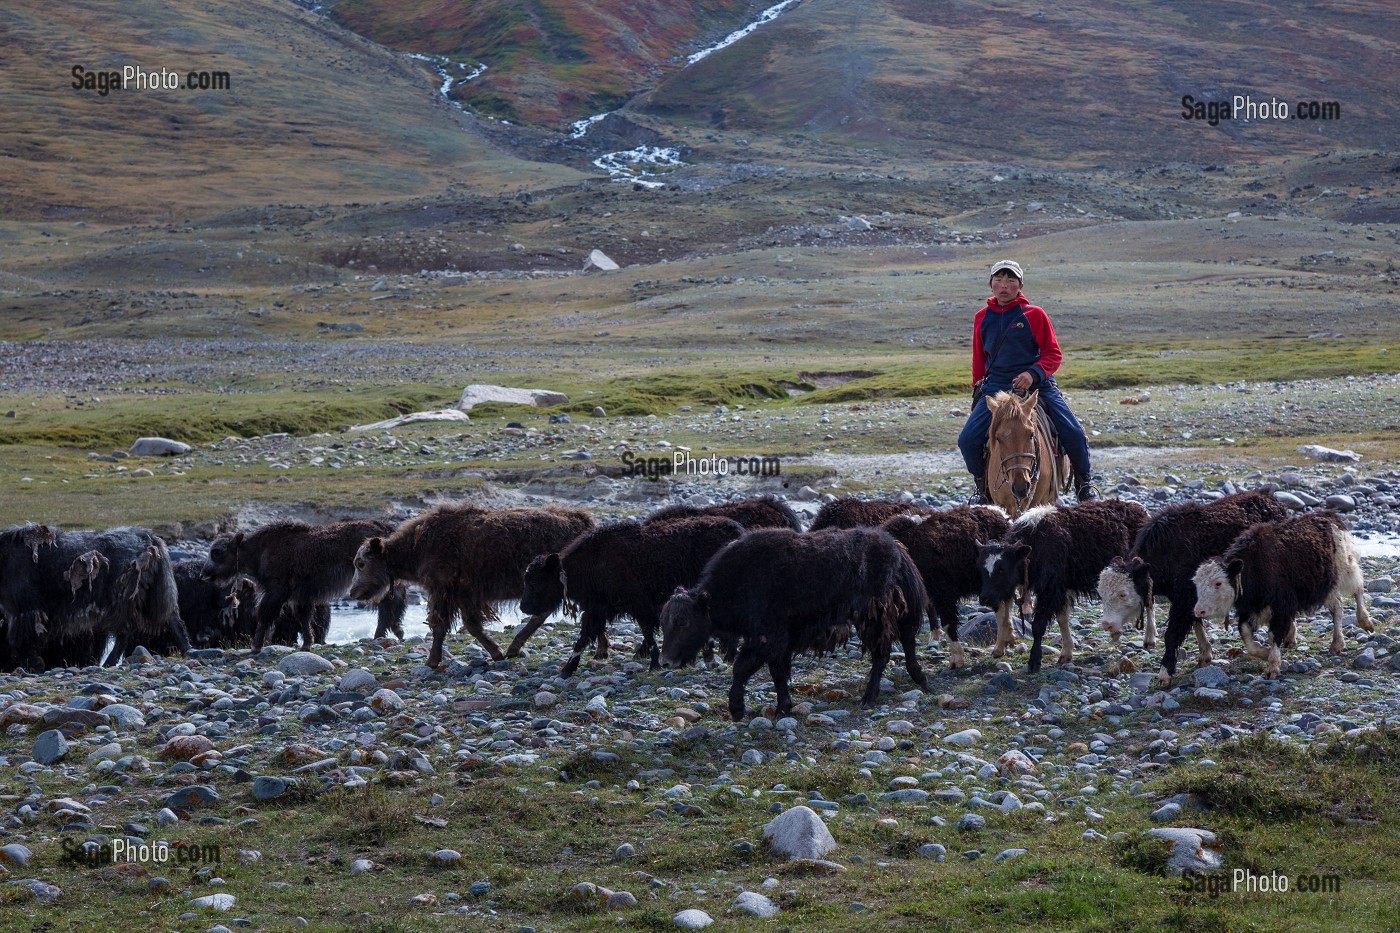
x,y
742,576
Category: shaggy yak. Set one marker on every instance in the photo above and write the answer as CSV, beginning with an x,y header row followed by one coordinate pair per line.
x,y
63,592
753,513
296,567
623,568
1055,553
777,592
943,545
466,558
1163,561
1276,570
850,512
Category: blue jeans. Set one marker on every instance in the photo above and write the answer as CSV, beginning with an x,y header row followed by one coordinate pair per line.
x,y
973,438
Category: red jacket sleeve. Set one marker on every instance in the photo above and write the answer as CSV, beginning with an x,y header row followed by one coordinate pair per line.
x,y
1044,333
979,356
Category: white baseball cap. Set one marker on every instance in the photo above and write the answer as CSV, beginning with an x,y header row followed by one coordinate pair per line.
x,y
1008,264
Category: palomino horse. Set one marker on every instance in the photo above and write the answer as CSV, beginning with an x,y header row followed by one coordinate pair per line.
x,y
1022,470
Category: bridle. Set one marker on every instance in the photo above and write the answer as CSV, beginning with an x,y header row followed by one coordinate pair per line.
x,y
1009,464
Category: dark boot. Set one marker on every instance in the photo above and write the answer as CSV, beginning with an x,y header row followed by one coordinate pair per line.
x,y
1084,487
981,496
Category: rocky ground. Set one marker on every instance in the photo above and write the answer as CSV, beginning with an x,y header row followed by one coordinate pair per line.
x,y
214,749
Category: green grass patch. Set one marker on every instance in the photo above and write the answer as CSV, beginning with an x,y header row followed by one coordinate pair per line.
x,y
198,417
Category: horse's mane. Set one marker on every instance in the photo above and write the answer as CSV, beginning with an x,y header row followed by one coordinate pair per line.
x,y
1005,401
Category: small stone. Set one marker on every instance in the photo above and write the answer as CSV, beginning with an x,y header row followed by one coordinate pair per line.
x,y
304,664
125,717
16,855
358,681
196,795
1210,676
216,901
965,738
621,900
1014,763
167,817
934,851
1192,849
1166,813
1366,660
971,822
899,726
756,904
478,888
385,700
50,747
185,747
692,919
270,787
626,850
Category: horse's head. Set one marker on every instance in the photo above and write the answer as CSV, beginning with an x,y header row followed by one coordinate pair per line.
x,y
1012,442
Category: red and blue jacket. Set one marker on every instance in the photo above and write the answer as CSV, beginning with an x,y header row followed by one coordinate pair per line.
x,y
1029,344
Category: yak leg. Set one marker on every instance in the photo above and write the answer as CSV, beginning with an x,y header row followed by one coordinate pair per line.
x,y
781,669
119,649
1149,637
441,610
1335,604
1039,622
649,624
948,617
746,663
593,627
1006,636
532,625
475,624
1179,619
879,660
1251,646
1203,645
1363,618
1275,655
269,608
1066,638
909,639
391,610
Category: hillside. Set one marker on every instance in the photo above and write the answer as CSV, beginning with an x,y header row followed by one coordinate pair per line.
x,y
312,113
549,62
1076,83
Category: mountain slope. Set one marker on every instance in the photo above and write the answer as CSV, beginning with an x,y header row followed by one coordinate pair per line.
x,y
1078,82
313,113
549,61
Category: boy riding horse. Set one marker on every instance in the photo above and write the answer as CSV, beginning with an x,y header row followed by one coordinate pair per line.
x,y
1014,349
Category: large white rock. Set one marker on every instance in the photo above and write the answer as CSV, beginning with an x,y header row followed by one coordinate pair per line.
x,y
600,261
1196,850
799,833
158,447
540,398
436,414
